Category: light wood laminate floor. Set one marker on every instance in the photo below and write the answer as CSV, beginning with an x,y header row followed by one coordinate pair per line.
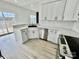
x,y
45,49
32,49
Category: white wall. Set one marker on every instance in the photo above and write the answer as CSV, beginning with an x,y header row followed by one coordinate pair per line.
x,y
22,15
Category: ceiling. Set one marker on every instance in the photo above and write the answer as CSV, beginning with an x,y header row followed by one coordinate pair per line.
x,y
30,4
22,2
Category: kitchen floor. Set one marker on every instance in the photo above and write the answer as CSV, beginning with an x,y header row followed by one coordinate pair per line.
x,y
32,49
44,49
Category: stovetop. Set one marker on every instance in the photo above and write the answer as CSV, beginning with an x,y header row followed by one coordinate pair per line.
x,y
64,49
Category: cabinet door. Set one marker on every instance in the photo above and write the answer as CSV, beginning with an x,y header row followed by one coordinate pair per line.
x,y
41,33
18,37
30,33
76,14
33,33
24,33
53,36
1,28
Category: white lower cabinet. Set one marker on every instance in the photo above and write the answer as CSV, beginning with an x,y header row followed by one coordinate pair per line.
x,y
18,37
24,33
21,36
53,36
33,32
41,33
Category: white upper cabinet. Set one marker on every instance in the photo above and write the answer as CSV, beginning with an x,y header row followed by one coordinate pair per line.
x,y
76,13
70,10
53,10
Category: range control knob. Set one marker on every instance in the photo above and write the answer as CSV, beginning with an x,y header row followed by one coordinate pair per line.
x,y
65,50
